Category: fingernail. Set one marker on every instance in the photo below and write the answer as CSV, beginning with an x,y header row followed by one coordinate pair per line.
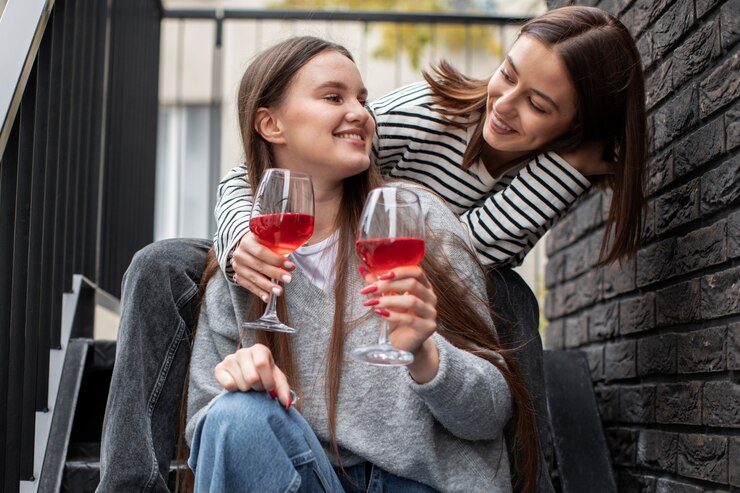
x,y
277,290
290,401
265,297
286,278
233,278
288,265
372,302
273,394
363,271
369,289
382,313
387,276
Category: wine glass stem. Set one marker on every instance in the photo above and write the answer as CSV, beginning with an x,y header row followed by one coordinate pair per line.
x,y
383,338
270,309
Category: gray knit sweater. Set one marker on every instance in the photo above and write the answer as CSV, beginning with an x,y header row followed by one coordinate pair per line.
x,y
446,433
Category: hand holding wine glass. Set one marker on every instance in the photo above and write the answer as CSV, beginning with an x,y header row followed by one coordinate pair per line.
x,y
390,236
282,219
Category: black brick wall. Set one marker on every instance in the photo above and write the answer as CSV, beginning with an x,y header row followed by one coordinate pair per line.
x,y
662,332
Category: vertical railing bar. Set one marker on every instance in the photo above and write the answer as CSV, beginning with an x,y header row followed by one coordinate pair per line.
x,y
14,466
61,221
86,130
50,65
8,180
35,243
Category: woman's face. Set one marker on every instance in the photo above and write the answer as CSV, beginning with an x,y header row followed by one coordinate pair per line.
x,y
531,99
326,128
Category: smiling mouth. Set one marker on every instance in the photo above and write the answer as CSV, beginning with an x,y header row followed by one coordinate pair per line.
x,y
350,136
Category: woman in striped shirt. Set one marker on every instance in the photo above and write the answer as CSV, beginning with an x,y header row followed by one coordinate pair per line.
x,y
509,155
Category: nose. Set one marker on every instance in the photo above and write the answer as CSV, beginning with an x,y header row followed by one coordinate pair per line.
x,y
506,103
357,112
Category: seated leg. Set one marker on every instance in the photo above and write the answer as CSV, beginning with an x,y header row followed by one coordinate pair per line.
x,y
158,300
518,329
247,441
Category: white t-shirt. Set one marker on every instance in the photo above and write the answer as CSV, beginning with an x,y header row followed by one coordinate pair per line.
x,y
317,262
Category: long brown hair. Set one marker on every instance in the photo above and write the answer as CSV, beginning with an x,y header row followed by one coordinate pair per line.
x,y
263,85
604,64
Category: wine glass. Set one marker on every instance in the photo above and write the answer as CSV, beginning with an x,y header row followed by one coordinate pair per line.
x,y
390,235
282,220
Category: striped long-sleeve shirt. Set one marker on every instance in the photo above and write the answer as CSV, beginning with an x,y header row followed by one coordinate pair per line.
x,y
505,216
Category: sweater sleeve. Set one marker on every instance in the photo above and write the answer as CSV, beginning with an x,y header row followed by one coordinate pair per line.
x,y
510,221
466,387
233,208
215,338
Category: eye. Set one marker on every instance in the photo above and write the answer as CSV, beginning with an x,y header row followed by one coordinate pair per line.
x,y
363,102
334,98
535,107
506,75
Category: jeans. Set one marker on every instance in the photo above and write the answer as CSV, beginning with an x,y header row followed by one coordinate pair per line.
x,y
518,320
248,442
158,302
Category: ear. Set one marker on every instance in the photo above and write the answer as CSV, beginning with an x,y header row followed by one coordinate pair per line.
x,y
268,126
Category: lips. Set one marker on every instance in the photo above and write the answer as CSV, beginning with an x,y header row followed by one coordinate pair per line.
x,y
499,126
354,137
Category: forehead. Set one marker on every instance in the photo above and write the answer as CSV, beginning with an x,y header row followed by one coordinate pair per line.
x,y
542,68
330,66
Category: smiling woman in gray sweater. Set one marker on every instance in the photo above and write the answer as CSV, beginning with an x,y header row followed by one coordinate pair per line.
x,y
435,425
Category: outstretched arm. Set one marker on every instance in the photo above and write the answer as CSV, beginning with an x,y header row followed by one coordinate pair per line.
x,y
509,223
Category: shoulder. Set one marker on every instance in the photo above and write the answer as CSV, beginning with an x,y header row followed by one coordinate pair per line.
x,y
411,95
437,213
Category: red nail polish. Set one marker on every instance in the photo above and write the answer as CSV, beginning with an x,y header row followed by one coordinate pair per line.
x,y
363,271
382,313
369,289
371,302
273,394
387,276
290,401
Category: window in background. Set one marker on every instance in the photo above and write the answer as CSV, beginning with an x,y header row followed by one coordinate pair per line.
x,y
186,181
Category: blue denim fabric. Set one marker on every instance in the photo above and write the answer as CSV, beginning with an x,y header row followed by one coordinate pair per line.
x,y
248,442
159,296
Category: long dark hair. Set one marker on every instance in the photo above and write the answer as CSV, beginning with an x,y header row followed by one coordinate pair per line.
x,y
604,64
263,85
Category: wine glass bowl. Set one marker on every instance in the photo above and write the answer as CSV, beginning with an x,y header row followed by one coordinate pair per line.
x,y
390,235
282,219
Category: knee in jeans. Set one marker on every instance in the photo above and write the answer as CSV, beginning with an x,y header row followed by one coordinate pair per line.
x,y
250,412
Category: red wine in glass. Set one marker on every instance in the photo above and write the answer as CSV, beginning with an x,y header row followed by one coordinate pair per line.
x,y
390,235
282,233
383,254
282,220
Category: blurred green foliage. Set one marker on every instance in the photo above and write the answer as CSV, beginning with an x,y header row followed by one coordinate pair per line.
x,y
410,38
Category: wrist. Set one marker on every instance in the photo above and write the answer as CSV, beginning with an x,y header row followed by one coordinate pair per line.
x,y
426,362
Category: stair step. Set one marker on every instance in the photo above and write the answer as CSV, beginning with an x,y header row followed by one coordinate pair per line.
x,y
83,475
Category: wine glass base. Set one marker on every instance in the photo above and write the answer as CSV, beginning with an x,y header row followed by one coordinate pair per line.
x,y
269,325
383,355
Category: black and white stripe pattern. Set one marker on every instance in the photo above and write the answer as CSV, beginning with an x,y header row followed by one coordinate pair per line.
x,y
505,217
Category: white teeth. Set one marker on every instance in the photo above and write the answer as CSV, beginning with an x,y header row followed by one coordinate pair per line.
x,y
501,124
351,136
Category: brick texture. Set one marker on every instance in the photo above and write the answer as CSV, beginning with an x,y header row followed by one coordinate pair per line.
x,y
661,331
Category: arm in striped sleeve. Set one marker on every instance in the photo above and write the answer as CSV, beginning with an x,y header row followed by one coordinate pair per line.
x,y
233,206
512,220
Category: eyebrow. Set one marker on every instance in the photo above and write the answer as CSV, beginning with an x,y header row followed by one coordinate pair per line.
x,y
340,85
539,93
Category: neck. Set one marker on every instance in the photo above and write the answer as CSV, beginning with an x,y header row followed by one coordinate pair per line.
x,y
499,162
327,200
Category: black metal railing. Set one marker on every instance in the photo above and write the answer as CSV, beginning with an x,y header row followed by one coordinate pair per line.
x,y
77,171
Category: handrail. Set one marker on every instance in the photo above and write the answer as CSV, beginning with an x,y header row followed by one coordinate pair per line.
x,y
345,15
22,26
